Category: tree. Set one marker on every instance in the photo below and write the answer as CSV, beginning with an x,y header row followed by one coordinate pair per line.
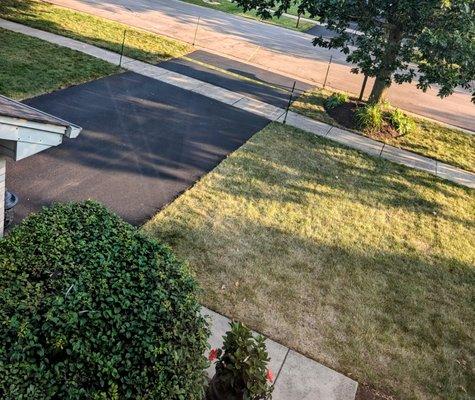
x,y
400,40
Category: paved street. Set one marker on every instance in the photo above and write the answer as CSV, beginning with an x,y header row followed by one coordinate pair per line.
x,y
269,46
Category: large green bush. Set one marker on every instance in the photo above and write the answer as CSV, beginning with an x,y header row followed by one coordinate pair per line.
x,y
91,309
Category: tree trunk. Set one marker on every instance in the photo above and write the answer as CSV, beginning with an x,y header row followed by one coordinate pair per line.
x,y
379,91
384,77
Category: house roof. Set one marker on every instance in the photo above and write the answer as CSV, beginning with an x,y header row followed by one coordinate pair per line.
x,y
25,131
15,109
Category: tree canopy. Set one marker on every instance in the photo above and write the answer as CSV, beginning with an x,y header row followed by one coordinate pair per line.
x,y
431,41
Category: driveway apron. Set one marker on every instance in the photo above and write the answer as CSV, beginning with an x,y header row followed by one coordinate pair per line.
x,y
257,83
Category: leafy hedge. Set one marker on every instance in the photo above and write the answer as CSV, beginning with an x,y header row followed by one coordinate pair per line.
x,y
91,309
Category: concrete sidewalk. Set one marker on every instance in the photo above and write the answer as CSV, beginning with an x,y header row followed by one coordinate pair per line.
x,y
296,376
272,113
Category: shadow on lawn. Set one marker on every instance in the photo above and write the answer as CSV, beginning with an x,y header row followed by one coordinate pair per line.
x,y
334,171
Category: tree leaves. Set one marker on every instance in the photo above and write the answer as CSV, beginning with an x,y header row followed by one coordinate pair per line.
x,y
436,43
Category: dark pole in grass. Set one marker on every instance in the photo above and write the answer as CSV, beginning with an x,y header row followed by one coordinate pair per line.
x,y
196,30
290,102
122,49
328,70
365,80
298,21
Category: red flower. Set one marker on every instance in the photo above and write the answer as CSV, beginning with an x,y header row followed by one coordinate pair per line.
x,y
270,376
213,354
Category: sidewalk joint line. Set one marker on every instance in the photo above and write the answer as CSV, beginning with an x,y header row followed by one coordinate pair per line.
x,y
328,132
282,366
280,116
237,101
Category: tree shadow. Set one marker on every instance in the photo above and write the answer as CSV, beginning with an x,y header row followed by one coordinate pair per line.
x,y
338,175
143,143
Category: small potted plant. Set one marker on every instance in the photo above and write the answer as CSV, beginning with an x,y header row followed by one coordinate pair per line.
x,y
241,367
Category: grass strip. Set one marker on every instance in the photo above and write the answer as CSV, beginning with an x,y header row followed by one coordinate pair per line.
x,y
429,139
30,66
101,32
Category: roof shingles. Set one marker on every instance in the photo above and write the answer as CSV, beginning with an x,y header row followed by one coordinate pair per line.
x,y
15,109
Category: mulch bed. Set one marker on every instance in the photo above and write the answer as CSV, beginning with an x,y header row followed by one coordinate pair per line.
x,y
344,114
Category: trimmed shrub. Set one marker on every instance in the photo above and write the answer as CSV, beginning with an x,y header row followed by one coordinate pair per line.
x,y
335,100
369,117
92,309
401,122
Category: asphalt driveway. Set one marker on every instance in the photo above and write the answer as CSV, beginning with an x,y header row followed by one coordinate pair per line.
x,y
143,143
242,78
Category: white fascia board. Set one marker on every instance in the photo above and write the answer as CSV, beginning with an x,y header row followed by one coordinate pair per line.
x,y
34,136
40,126
24,150
29,135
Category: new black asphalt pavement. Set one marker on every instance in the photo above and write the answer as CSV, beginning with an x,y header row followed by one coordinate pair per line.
x,y
143,143
260,84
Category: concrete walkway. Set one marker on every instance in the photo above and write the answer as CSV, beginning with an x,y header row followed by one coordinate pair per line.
x,y
273,113
297,377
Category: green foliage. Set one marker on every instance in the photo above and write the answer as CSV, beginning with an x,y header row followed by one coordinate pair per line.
x,y
92,309
335,100
369,117
241,368
436,35
401,122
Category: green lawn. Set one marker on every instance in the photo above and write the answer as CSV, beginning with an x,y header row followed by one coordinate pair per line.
x,y
100,32
361,264
232,8
429,139
29,66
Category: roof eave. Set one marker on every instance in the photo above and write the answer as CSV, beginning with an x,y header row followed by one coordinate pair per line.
x,y
73,131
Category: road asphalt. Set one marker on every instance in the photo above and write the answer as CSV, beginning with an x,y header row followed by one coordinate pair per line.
x,y
271,47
